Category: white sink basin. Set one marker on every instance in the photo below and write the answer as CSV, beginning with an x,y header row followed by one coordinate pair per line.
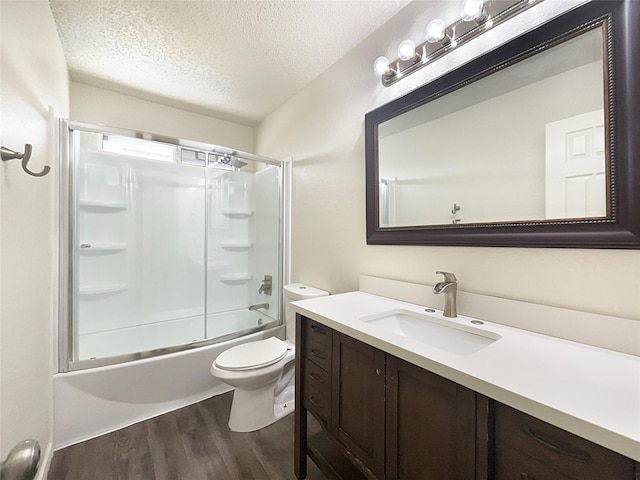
x,y
440,333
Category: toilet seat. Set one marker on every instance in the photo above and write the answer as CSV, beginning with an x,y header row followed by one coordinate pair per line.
x,y
252,355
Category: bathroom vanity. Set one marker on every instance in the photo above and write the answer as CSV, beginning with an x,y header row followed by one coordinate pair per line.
x,y
513,405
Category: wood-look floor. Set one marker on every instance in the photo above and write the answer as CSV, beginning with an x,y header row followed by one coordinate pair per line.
x,y
193,443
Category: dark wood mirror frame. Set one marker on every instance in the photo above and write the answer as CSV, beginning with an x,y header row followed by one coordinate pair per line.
x,y
621,229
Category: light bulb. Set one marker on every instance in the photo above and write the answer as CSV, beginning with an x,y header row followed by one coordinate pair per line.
x,y
381,65
473,10
407,50
435,31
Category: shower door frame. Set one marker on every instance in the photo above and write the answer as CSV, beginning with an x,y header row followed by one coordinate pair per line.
x,y
67,259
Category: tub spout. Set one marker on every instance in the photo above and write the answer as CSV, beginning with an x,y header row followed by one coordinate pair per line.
x,y
259,305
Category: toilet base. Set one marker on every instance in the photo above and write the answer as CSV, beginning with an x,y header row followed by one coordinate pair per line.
x,y
252,410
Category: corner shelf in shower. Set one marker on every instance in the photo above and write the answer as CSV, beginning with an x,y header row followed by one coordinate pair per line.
x,y
102,289
101,247
102,206
236,212
235,277
235,244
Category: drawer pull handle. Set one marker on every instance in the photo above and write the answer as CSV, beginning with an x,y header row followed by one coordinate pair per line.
x,y
524,476
317,404
313,376
577,454
318,329
318,354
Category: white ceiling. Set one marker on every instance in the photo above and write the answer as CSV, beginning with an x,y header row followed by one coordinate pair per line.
x,y
235,60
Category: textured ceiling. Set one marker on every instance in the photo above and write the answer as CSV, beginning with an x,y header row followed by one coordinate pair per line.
x,y
236,60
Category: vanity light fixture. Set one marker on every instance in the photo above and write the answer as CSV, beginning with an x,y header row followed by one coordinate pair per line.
x,y
381,65
474,11
407,50
436,32
476,17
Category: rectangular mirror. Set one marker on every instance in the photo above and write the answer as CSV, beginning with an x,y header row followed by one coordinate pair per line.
x,y
532,144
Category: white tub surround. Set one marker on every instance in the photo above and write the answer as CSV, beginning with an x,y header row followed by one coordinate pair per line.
x,y
589,391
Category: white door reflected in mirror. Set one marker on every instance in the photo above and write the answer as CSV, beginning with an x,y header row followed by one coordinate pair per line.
x,y
576,167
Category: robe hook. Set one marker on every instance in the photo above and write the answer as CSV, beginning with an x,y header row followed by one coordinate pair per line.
x,y
8,154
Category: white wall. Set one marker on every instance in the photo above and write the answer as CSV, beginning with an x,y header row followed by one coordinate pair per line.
x,y
34,77
322,128
96,105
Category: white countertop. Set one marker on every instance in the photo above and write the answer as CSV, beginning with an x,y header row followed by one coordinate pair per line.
x,y
589,391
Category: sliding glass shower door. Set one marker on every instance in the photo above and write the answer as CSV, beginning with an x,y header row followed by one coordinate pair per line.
x,y
169,246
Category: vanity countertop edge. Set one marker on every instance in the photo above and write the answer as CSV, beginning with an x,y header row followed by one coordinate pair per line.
x,y
589,391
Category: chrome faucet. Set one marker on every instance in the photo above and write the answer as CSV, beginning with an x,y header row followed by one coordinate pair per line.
x,y
450,288
260,305
266,285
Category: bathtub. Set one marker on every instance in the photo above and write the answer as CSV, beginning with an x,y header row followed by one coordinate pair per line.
x,y
92,402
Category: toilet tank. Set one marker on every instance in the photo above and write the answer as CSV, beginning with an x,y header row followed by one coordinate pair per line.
x,y
293,292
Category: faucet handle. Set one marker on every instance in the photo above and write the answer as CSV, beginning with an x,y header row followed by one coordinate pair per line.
x,y
448,277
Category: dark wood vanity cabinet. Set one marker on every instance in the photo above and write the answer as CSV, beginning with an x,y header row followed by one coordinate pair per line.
x,y
387,419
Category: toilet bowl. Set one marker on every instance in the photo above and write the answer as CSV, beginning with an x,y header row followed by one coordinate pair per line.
x,y
262,372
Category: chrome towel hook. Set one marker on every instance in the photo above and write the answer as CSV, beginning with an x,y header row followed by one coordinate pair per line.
x,y
8,154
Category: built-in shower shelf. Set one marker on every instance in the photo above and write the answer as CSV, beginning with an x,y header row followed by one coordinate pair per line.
x,y
235,244
236,277
103,289
237,212
102,206
89,247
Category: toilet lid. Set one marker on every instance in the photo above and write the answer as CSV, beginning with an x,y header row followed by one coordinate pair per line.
x,y
252,355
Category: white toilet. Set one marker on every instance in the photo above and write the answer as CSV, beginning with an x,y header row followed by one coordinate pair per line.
x,y
262,372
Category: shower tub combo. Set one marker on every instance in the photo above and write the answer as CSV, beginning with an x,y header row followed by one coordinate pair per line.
x,y
171,252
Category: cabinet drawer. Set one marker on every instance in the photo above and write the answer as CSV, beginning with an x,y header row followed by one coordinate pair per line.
x,y
316,377
319,353
317,401
530,449
317,332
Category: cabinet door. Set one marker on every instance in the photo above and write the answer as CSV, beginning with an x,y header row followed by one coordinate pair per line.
x,y
431,425
358,398
529,449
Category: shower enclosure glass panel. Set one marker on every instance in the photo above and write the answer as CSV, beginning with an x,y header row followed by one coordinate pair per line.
x,y
243,248
140,236
169,246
